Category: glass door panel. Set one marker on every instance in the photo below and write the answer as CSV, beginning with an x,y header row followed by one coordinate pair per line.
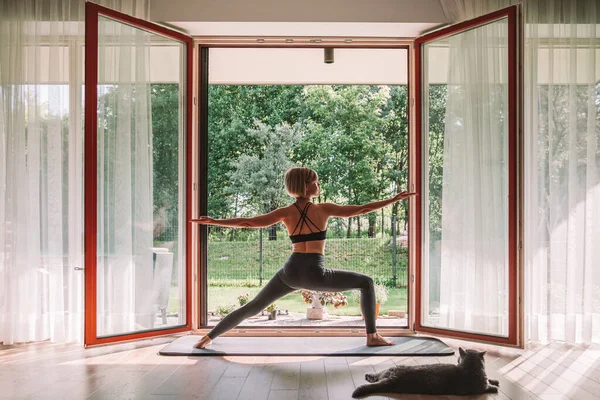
x,y
140,282
467,208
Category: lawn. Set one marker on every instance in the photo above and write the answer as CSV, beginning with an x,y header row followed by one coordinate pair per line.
x,y
227,295
224,296
234,269
238,263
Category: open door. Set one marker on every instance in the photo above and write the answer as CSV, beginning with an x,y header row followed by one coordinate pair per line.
x,y
138,97
466,215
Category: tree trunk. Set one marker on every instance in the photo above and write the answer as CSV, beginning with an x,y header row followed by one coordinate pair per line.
x,y
272,232
406,219
235,210
349,228
395,209
358,226
372,225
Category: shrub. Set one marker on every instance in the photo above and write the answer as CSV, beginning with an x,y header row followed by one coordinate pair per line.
x,y
381,294
243,298
272,307
336,299
224,310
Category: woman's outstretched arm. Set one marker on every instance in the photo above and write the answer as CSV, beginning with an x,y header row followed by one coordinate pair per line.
x,y
335,210
260,221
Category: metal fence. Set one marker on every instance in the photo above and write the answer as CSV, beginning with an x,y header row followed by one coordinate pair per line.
x,y
249,257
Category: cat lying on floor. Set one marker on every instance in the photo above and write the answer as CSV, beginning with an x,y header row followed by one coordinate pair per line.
x,y
466,378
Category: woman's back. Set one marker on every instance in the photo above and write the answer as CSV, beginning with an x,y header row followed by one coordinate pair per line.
x,y
314,220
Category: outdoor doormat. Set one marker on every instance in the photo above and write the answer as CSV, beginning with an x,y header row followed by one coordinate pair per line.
x,y
408,346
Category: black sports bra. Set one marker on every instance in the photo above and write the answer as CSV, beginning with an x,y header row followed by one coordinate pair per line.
x,y
307,237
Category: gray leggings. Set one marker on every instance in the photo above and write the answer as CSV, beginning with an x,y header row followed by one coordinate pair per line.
x,y
305,271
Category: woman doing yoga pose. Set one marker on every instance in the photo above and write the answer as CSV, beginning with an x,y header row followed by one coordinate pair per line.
x,y
305,268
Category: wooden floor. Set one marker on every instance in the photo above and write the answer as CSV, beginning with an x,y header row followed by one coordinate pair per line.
x,y
136,371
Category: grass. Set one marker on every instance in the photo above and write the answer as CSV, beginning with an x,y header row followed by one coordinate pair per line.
x,y
222,296
240,261
234,269
227,295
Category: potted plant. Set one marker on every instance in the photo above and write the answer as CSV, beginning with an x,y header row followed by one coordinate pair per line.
x,y
272,310
224,310
318,301
243,299
381,297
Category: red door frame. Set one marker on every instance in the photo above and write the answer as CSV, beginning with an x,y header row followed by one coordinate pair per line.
x,y
92,11
203,162
511,14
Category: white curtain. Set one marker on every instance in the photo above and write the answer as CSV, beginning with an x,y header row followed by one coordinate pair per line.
x,y
562,170
41,167
125,223
561,164
460,10
474,278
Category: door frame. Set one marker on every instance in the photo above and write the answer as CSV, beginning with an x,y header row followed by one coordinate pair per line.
x,y
514,230
204,45
92,12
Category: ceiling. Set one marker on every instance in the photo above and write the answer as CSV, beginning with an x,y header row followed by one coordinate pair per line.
x,y
356,18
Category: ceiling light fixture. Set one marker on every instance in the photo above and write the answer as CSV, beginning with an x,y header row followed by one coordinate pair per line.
x,y
328,55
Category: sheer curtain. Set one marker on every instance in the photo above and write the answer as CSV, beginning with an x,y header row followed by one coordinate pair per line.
x,y
474,277
562,170
125,214
561,164
41,171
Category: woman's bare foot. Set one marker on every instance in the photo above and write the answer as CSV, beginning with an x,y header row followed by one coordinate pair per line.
x,y
202,343
375,339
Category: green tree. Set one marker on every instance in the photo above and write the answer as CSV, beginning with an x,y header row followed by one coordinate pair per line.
x,y
232,109
345,142
166,132
394,165
437,124
259,179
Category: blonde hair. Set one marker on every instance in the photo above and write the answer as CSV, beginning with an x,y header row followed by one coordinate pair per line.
x,y
296,180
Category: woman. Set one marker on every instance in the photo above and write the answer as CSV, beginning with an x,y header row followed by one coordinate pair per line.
x,y
305,268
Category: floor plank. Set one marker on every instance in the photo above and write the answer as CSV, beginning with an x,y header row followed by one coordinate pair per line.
x,y
257,385
340,384
313,381
136,371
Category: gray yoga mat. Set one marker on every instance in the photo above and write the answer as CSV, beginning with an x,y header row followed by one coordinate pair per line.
x,y
409,346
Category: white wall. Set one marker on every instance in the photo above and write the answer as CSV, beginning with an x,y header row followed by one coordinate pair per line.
x,y
306,66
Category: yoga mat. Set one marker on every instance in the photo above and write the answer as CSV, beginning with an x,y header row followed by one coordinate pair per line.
x,y
409,346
